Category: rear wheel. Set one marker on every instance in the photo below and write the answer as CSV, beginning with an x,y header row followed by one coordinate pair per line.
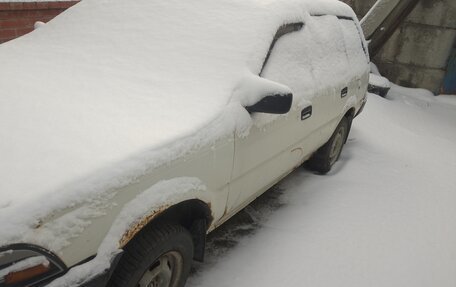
x,y
325,157
159,256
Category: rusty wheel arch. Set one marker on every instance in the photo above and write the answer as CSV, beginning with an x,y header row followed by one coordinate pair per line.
x,y
194,215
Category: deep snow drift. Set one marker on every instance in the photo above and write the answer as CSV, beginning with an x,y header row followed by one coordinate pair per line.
x,y
384,216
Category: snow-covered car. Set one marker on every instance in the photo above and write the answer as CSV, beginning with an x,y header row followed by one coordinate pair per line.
x,y
131,129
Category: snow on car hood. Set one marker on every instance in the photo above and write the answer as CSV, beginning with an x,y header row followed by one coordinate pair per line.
x,y
112,88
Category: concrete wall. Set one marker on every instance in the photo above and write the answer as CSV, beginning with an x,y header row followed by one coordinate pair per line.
x,y
417,53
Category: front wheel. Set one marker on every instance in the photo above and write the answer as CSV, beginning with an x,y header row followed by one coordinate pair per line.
x,y
325,157
159,256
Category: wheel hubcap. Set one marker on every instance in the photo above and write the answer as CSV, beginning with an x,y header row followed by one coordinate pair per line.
x,y
164,272
337,145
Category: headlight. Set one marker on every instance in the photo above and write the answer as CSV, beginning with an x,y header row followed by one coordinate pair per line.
x,y
24,265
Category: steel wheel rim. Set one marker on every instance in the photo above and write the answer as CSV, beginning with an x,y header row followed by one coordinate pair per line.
x,y
337,145
164,272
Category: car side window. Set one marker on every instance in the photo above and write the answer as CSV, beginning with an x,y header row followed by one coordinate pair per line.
x,y
288,63
314,57
356,51
328,54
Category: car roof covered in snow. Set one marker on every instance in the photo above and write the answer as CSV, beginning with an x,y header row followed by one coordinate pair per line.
x,y
103,90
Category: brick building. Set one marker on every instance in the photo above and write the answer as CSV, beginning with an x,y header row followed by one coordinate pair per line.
x,y
18,18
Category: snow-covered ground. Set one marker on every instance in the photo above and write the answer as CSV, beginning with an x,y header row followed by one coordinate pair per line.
x,y
384,216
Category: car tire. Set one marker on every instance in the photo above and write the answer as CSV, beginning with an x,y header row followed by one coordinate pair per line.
x,y
160,256
325,157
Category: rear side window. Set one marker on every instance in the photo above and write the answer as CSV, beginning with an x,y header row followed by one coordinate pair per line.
x,y
324,52
354,44
327,52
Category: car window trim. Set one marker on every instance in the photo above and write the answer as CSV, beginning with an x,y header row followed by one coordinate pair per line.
x,y
282,31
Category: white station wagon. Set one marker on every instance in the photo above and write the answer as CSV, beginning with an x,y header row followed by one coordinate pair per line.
x,y
129,129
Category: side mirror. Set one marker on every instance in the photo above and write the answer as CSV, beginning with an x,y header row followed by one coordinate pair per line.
x,y
260,95
273,104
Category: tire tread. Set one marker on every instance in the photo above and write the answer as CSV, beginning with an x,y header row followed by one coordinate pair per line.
x,y
319,161
144,243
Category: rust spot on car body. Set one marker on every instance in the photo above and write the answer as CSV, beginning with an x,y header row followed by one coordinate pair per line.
x,y
210,219
38,224
138,226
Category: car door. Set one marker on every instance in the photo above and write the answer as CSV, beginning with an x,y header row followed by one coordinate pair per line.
x,y
278,143
357,55
341,61
331,67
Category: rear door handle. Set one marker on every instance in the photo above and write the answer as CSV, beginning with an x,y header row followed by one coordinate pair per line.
x,y
344,92
306,113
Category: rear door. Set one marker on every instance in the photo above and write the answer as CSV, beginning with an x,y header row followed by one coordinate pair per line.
x,y
357,55
331,67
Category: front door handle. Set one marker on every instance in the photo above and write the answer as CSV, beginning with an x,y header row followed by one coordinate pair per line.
x,y
306,113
